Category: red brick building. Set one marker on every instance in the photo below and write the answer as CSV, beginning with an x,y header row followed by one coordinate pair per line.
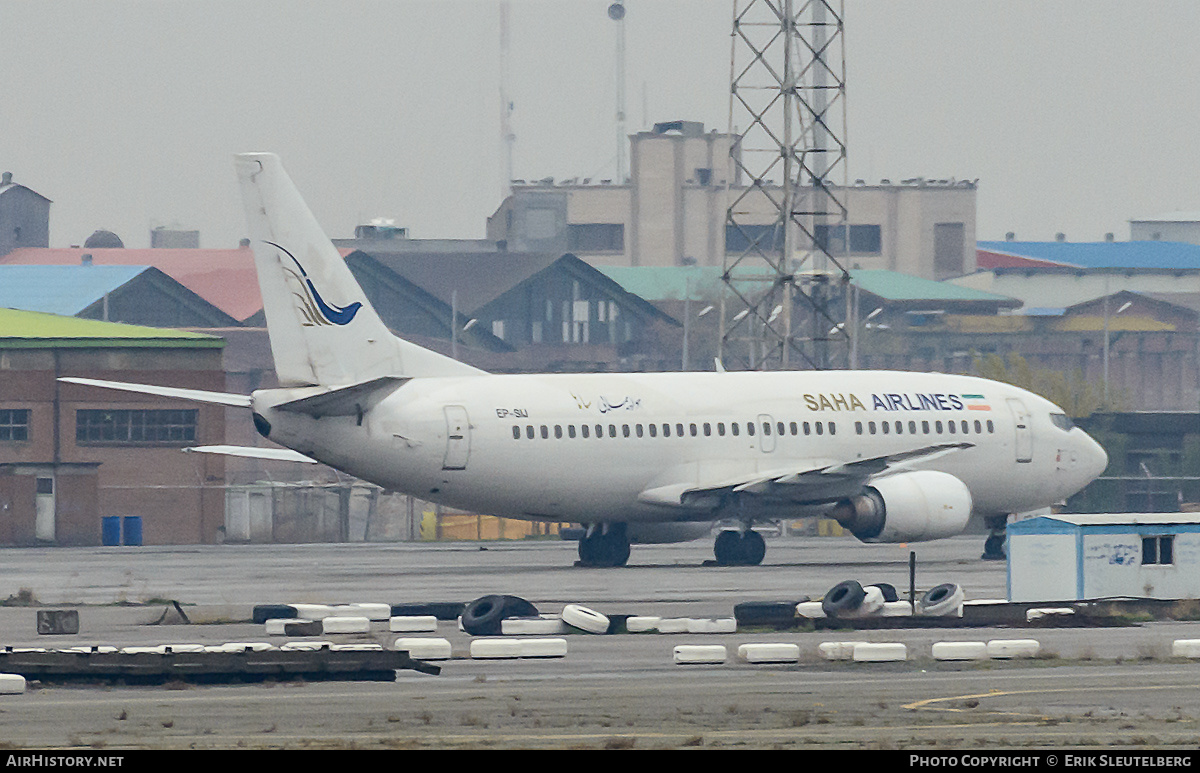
x,y
71,456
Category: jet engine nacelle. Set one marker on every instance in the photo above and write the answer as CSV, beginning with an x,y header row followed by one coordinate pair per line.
x,y
907,507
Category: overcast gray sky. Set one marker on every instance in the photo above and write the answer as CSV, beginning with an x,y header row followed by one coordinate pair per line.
x,y
1075,115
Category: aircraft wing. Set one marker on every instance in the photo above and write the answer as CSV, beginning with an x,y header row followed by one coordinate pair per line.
x,y
273,454
813,482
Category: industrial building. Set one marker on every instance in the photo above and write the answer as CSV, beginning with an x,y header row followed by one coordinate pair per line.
x,y
671,211
71,456
24,216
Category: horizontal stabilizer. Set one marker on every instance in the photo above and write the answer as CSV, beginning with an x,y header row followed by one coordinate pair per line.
x,y
273,454
197,395
346,401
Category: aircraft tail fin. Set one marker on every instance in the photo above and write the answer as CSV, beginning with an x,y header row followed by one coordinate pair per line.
x,y
323,329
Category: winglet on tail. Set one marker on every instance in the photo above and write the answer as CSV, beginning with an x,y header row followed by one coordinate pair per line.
x,y
323,329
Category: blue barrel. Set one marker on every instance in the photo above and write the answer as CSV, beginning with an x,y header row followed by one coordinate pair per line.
x,y
110,530
133,530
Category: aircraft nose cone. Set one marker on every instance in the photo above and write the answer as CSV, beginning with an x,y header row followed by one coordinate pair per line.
x,y
1095,459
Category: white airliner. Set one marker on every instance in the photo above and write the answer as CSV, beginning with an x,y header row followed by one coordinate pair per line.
x,y
893,456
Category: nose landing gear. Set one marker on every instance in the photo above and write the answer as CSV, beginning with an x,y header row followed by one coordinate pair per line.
x,y
739,548
604,544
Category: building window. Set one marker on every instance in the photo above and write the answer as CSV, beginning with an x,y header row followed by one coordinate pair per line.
x,y
135,427
745,238
864,239
596,237
949,249
14,424
1158,550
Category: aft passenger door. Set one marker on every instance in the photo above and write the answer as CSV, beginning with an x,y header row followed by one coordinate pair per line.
x,y
458,438
1024,439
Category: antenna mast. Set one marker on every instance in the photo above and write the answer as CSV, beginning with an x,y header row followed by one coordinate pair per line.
x,y
786,298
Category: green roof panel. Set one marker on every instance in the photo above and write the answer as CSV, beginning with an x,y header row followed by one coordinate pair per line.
x,y
37,330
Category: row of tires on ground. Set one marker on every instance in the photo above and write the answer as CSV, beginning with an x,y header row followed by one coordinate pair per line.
x,y
497,614
858,651
851,599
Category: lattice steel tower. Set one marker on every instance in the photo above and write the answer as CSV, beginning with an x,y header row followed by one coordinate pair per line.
x,y
787,301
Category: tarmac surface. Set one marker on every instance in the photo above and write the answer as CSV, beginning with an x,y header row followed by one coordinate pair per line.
x,y
1114,687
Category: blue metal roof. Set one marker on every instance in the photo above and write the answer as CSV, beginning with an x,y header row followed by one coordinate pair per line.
x,y
1152,255
65,290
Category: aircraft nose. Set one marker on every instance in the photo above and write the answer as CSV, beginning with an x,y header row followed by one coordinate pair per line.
x,y
1095,459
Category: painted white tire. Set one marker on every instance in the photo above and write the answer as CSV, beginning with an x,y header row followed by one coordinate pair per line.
x,y
1038,614
305,646
673,625
1185,648
412,624
92,649
960,650
495,649
642,624
164,649
584,619
880,652
810,609
532,626
371,611
720,625
947,605
896,609
769,653
12,684
312,611
543,648
872,604
278,626
689,654
837,650
1004,649
338,624
419,648
240,646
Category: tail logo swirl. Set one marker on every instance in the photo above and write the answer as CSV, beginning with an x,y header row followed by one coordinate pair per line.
x,y
314,309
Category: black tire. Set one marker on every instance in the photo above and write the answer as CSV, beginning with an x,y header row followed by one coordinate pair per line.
x,y
264,612
442,610
727,548
753,548
887,589
515,606
766,612
844,597
483,615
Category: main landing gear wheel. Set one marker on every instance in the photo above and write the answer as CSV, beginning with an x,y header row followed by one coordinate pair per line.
x,y
993,546
604,545
734,548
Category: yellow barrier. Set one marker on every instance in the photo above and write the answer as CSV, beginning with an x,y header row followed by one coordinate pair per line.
x,y
468,526
827,527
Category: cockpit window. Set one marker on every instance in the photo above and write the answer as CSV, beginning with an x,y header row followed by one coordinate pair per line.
x,y
1062,421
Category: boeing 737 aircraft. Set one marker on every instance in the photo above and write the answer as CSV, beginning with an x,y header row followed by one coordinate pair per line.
x,y
892,456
